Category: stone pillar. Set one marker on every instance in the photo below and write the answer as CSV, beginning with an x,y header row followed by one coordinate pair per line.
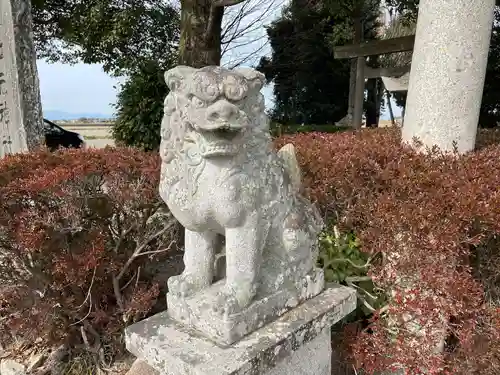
x,y
20,105
447,73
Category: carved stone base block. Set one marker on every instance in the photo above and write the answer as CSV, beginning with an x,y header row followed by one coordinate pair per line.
x,y
197,312
297,343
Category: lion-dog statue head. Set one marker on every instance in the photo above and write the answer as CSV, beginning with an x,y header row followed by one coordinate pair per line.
x,y
212,112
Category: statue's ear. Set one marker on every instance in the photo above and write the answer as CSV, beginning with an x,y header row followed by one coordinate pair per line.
x,y
255,78
176,76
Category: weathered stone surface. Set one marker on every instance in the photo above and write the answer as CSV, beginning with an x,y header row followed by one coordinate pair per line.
x,y
224,182
195,311
311,359
141,368
35,361
447,73
176,349
10,367
20,103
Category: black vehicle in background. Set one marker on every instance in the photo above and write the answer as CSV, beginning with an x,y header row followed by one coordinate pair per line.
x,y
56,137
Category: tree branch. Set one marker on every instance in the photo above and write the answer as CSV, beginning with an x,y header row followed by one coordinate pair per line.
x,y
137,252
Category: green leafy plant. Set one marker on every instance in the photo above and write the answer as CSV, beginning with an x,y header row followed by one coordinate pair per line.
x,y
343,262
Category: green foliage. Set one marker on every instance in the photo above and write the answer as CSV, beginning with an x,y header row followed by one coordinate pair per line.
x,y
489,114
408,8
348,11
343,262
341,257
135,38
140,108
120,34
310,86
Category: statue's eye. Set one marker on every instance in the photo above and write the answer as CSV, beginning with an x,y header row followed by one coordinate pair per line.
x,y
197,102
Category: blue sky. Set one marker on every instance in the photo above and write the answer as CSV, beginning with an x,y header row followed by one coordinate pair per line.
x,y
82,88
76,88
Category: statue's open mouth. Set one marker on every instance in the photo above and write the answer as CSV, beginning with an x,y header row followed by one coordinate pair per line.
x,y
219,138
220,142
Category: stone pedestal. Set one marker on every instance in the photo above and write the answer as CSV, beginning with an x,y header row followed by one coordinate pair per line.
x,y
20,104
447,73
297,343
196,310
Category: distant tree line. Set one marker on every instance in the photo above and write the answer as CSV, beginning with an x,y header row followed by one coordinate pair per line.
x,y
140,39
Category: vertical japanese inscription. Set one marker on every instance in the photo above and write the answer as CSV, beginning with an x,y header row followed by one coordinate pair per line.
x,y
5,140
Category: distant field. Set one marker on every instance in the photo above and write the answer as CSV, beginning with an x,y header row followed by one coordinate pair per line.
x,y
93,131
96,135
83,124
99,134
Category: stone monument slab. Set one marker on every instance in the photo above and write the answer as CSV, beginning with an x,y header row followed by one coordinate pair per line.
x,y
21,123
297,343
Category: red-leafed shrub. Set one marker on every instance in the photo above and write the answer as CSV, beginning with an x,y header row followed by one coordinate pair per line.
x,y
77,232
430,225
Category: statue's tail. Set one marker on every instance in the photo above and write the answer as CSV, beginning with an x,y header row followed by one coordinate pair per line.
x,y
287,154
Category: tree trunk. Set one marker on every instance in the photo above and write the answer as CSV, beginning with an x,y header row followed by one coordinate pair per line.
x,y
403,116
201,27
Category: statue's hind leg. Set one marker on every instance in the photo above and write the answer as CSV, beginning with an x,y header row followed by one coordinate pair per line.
x,y
199,264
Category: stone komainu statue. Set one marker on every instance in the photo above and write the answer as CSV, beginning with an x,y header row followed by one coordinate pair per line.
x,y
226,185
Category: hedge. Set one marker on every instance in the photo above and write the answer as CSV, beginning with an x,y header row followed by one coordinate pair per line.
x,y
278,130
79,230
429,226
417,235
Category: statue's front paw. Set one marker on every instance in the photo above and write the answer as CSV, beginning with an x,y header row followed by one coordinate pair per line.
x,y
232,301
184,285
